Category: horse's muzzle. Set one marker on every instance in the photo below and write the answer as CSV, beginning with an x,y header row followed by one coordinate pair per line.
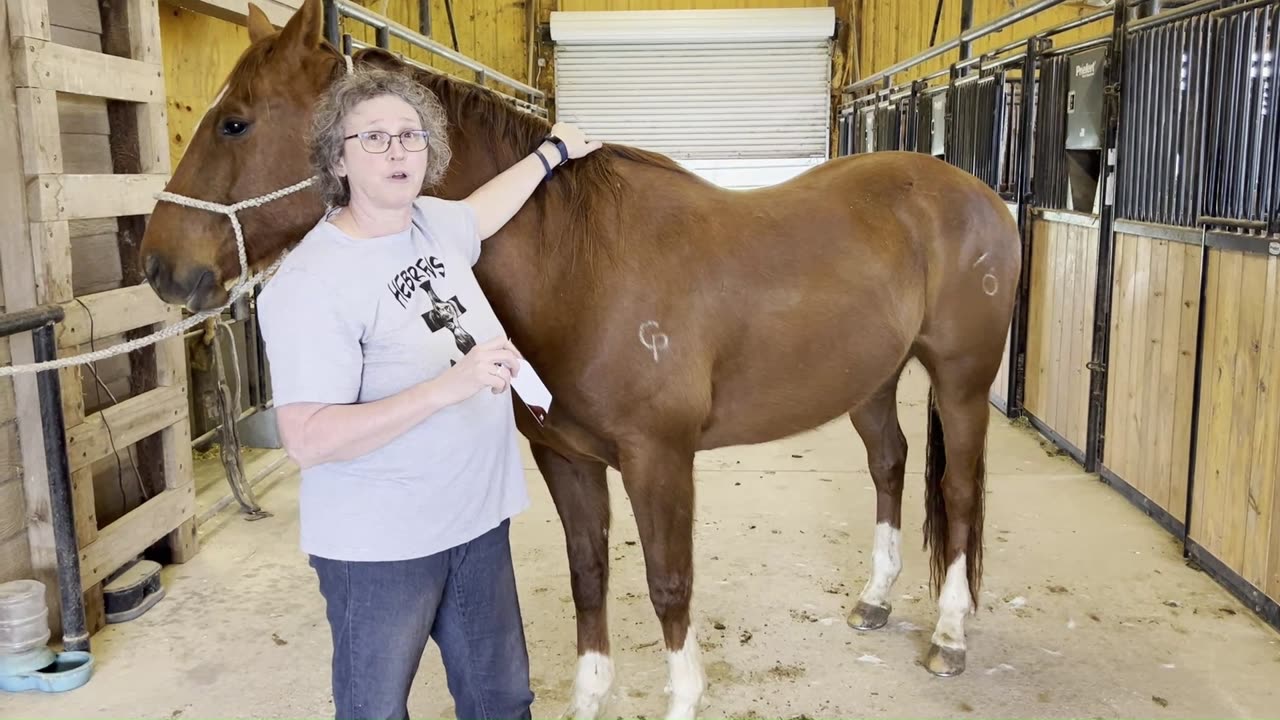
x,y
195,287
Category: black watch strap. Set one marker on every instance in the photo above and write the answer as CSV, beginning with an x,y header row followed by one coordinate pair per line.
x,y
564,150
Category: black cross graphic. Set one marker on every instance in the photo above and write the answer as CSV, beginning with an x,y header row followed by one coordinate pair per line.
x,y
444,315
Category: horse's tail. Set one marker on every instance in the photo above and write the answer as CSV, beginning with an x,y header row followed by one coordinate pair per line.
x,y
936,526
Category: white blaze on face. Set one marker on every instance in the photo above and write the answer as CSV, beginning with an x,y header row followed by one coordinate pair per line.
x,y
221,94
687,679
592,685
953,604
886,564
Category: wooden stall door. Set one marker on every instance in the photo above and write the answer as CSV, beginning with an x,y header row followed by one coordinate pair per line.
x,y
1064,267
1235,515
1151,368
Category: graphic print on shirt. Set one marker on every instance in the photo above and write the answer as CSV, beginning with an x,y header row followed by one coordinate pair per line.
x,y
447,315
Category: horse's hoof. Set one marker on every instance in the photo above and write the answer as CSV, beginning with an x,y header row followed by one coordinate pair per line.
x,y
869,617
944,661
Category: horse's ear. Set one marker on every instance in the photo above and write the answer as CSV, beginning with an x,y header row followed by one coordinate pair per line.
x,y
304,29
259,25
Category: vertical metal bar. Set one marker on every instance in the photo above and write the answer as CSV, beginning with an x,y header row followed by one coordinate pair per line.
x,y
424,21
1181,78
1112,109
75,632
382,36
1272,145
1254,184
1149,129
331,22
1126,187
1014,393
966,22
1173,156
1161,109
1232,104
1210,98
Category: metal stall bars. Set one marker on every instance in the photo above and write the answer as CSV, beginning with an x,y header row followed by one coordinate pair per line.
x,y
1241,176
534,101
40,322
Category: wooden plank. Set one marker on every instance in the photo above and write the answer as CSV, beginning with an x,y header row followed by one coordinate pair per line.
x,y
129,421
71,197
13,519
15,563
77,14
28,19
67,69
120,541
1091,282
1153,426
1262,479
95,264
1073,423
1035,313
82,39
1167,373
1245,395
41,135
278,11
80,114
112,312
1214,433
1112,455
1186,349
86,154
25,18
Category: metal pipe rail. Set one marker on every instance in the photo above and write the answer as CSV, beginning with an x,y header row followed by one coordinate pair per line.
x,y
350,44
996,25
985,59
388,28
39,321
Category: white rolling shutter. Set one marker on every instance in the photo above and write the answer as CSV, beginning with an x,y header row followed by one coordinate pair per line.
x,y
740,96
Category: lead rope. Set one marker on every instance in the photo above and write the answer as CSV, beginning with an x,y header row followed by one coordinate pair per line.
x,y
245,283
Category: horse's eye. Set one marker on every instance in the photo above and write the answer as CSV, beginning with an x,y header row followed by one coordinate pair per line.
x,y
234,127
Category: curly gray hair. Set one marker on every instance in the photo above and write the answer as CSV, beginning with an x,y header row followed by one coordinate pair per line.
x,y
326,143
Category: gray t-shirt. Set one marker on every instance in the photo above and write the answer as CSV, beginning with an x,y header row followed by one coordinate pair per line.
x,y
355,320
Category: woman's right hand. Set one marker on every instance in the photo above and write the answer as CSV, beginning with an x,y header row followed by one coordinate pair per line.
x,y
490,364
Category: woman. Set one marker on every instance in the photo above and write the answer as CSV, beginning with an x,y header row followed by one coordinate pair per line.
x,y
380,343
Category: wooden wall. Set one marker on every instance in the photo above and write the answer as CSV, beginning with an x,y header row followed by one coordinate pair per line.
x,y
95,262
1064,266
894,30
1151,367
1236,512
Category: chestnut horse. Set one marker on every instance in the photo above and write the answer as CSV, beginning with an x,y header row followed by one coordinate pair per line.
x,y
667,316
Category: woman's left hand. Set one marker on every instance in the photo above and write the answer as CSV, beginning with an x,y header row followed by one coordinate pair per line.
x,y
574,140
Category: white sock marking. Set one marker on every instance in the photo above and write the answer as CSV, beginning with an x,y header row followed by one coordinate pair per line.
x,y
953,604
592,685
886,564
687,679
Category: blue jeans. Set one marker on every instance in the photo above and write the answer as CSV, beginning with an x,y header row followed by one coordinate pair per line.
x,y
381,614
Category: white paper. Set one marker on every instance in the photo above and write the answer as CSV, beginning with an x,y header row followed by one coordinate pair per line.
x,y
532,391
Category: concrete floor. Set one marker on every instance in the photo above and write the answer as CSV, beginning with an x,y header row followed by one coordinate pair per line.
x,y
1087,608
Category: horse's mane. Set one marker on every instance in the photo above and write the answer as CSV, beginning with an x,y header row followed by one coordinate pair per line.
x,y
587,192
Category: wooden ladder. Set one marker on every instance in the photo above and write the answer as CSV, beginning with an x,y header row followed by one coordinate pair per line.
x,y
129,75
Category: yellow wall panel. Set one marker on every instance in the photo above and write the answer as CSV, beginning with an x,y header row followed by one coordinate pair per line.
x,y
199,52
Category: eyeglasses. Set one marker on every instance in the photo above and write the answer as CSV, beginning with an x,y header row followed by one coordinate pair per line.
x,y
378,141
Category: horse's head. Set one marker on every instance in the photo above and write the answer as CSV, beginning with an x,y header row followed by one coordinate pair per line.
x,y
251,142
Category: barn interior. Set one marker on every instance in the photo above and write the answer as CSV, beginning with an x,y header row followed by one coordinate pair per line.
x,y
1132,514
